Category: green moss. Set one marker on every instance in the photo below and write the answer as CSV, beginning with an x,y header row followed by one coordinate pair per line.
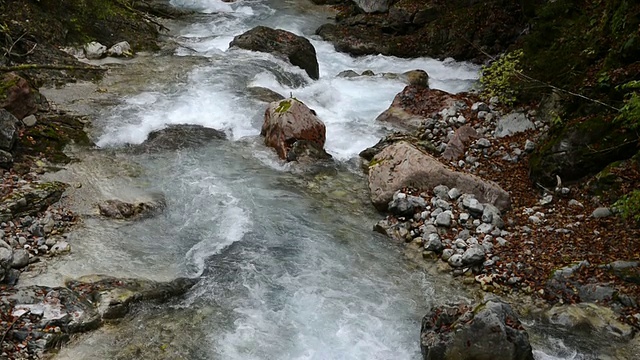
x,y
283,106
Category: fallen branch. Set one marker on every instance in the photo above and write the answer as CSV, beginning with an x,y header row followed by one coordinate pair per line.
x,y
48,67
11,326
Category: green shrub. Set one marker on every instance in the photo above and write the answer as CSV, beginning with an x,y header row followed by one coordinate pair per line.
x,y
629,206
500,78
629,116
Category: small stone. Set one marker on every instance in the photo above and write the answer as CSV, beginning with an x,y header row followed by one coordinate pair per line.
x,y
455,260
548,199
61,247
22,240
501,241
460,244
473,255
529,146
454,193
474,206
484,228
50,242
534,219
441,192
601,212
483,143
121,49
464,217
446,254
433,243
94,50
30,121
461,120
479,106
20,259
444,219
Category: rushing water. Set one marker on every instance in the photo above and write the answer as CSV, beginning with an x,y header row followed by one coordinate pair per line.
x,y
288,265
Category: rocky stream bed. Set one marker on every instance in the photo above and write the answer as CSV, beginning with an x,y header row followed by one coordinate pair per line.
x,y
492,259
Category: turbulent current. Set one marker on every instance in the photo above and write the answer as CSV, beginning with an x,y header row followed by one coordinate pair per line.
x,y
289,266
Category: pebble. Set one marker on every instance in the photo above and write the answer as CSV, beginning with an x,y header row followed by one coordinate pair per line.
x,y
601,212
444,219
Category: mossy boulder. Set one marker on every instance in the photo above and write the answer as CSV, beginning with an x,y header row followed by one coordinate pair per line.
x,y
580,149
18,97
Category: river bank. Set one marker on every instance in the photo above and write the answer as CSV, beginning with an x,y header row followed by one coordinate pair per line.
x,y
502,166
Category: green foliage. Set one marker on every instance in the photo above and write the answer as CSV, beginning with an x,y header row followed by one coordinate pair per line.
x,y
283,106
500,78
629,206
629,116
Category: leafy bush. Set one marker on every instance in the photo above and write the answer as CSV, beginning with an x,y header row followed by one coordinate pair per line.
x,y
629,206
499,79
629,116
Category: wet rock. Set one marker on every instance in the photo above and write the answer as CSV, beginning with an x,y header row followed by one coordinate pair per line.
x,y
305,151
289,121
589,317
489,331
114,296
264,94
401,164
31,199
117,209
348,74
8,130
94,50
175,137
121,49
296,49
405,205
418,78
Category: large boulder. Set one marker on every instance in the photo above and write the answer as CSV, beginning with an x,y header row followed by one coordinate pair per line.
x,y
490,331
294,48
18,97
403,165
371,6
414,104
289,121
579,150
8,130
31,199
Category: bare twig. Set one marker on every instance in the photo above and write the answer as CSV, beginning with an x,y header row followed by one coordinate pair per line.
x,y
11,326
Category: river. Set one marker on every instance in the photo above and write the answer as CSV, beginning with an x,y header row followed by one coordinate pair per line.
x,y
288,263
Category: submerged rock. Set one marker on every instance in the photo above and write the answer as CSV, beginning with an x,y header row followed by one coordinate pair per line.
x,y
289,121
294,48
489,331
264,94
175,137
117,209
